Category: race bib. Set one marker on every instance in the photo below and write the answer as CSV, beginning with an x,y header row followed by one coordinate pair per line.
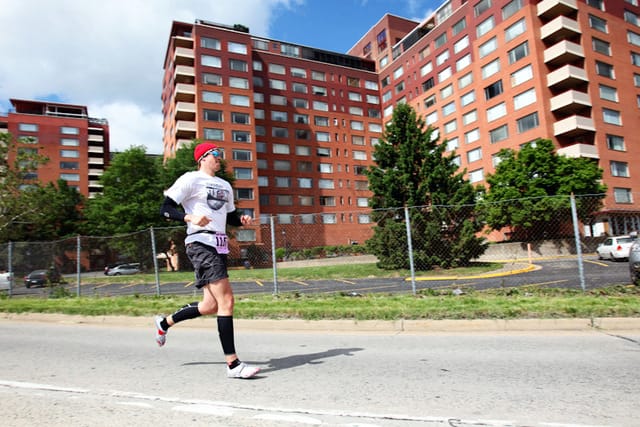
x,y
220,242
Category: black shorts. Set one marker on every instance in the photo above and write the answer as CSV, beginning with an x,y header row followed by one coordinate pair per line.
x,y
208,265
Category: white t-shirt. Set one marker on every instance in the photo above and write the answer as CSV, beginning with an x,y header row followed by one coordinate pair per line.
x,y
210,196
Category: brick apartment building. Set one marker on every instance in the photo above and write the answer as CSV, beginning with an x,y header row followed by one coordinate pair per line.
x,y
298,123
77,145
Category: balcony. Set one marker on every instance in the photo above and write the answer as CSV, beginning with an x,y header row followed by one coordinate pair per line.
x,y
549,9
96,149
580,150
96,138
184,74
570,101
561,28
573,126
564,52
182,41
183,56
185,129
96,161
567,77
185,92
95,172
185,111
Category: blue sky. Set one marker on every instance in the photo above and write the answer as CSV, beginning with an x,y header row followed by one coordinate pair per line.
x,y
108,55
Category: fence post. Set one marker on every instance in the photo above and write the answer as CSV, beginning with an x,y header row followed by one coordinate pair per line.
x,y
12,280
576,235
155,260
78,264
407,224
273,255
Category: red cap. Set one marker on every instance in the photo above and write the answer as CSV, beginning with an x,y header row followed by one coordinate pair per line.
x,y
201,149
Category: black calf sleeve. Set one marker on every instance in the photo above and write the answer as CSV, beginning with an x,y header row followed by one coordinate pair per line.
x,y
189,311
225,330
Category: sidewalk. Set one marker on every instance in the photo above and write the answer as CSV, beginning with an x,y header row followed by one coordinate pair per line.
x,y
609,325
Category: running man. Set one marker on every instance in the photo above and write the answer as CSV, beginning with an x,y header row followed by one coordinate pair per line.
x,y
208,206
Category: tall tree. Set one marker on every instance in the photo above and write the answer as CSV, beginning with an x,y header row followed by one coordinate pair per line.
x,y
411,170
522,190
18,213
131,197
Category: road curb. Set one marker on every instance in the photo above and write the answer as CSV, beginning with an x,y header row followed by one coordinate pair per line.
x,y
605,324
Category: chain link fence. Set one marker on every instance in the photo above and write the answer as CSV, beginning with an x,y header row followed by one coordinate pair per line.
x,y
418,239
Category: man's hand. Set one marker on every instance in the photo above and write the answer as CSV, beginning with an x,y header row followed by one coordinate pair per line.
x,y
198,220
246,220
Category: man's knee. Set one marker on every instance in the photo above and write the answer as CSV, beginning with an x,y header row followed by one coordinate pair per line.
x,y
208,307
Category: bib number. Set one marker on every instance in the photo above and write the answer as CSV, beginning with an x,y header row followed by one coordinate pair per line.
x,y
221,243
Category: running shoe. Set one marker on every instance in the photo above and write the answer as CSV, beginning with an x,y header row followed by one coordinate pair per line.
x,y
161,334
242,371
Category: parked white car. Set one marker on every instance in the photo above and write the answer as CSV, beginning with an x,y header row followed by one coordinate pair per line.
x,y
615,248
6,279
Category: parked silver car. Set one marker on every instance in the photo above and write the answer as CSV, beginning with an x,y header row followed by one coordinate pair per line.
x,y
615,248
117,270
634,262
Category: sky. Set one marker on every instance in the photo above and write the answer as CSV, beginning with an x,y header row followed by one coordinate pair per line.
x,y
108,55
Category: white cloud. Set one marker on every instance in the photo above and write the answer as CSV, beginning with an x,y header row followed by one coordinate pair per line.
x,y
107,55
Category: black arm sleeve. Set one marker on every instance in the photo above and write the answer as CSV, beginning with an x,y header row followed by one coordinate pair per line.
x,y
169,210
233,218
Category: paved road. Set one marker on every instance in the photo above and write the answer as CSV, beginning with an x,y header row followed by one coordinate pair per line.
x,y
63,374
558,272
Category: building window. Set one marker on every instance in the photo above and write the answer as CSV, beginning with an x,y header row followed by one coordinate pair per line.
x,y
523,99
631,17
474,155
328,218
282,165
300,103
303,166
499,134
491,68
211,79
238,82
615,142
448,109
521,76
622,195
604,69
609,93
210,61
515,30
212,97
243,173
240,136
467,98
459,26
496,112
242,155
465,80
476,176
70,176
446,92
277,84
452,144
69,130
238,65
74,154
598,4
282,200
528,122
601,46
279,116
305,182
70,165
298,72
240,118
209,43
214,134
213,115
598,24
511,8
239,100
69,142
611,117
440,40
463,62
481,7
235,47
451,126
519,52
318,75
635,59
472,136
442,58
633,38
326,184
487,47
283,181
485,26
469,117
493,90
620,169
27,127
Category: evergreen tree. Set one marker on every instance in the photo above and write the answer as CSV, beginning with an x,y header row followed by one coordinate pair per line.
x,y
411,170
